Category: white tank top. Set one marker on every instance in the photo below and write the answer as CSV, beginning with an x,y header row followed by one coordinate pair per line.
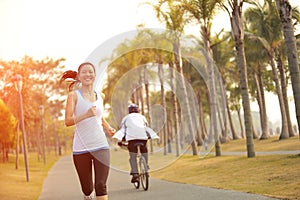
x,y
89,134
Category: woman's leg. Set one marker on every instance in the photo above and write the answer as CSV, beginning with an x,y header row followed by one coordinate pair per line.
x,y
101,167
83,165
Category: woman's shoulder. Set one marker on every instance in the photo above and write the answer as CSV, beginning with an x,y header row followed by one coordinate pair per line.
x,y
73,94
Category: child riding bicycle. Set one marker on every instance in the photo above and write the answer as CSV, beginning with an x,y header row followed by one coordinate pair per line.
x,y
134,129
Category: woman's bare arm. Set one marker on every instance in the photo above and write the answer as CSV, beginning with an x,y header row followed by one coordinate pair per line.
x,y
70,120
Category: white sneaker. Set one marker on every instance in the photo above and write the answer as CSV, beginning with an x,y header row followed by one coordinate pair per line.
x,y
88,197
91,196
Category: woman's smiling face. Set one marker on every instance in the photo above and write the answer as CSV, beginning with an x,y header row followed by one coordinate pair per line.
x,y
86,74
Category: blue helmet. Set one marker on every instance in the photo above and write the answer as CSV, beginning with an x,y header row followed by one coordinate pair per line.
x,y
133,108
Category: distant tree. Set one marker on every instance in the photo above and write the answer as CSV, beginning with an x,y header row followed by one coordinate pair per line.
x,y
172,14
7,130
40,87
203,12
264,24
255,25
285,12
223,57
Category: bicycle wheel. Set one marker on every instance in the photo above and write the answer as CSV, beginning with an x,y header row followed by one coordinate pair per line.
x,y
144,176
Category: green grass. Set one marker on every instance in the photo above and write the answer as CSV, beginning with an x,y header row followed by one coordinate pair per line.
x,y
13,184
270,175
271,144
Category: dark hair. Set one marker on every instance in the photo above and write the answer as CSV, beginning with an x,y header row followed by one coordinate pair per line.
x,y
86,63
133,108
70,74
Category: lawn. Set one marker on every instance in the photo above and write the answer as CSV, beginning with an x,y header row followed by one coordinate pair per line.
x,y
13,184
270,175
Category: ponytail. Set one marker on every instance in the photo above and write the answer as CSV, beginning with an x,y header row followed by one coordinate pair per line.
x,y
70,74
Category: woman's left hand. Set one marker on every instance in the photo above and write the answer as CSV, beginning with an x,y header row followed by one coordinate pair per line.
x,y
111,131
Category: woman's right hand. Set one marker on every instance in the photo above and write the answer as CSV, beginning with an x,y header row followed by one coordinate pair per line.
x,y
91,111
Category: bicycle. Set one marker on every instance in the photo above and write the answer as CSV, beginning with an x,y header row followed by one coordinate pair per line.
x,y
143,175
142,171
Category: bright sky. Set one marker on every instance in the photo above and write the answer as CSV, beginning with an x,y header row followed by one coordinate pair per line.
x,y
70,29
65,28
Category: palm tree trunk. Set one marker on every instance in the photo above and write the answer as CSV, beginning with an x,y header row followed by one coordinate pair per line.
x,y
201,135
224,127
140,93
169,133
186,111
285,96
285,13
212,90
175,109
232,127
241,123
265,123
225,130
255,135
238,34
163,104
241,61
284,127
198,133
146,83
194,102
264,128
201,117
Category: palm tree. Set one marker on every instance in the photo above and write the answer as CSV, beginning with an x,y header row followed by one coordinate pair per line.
x,y
236,20
132,55
269,33
257,61
221,43
173,17
199,86
285,12
203,11
283,80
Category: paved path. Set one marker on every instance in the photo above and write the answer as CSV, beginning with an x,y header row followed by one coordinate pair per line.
x,y
62,184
